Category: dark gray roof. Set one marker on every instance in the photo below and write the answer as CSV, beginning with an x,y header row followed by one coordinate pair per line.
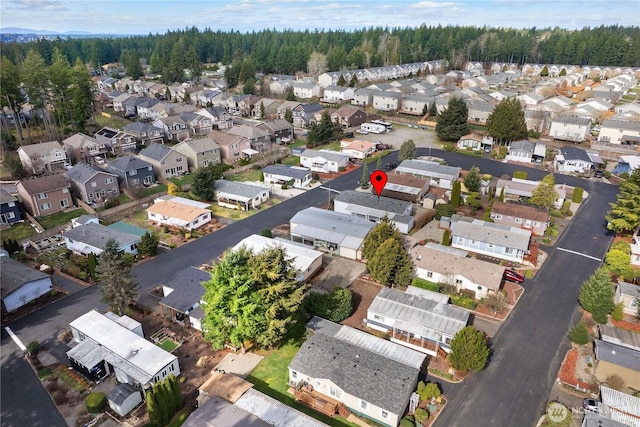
x,y
290,171
525,146
427,168
187,289
44,183
217,412
311,108
373,202
239,188
618,355
97,235
573,153
372,377
127,163
119,394
581,121
6,197
156,151
141,127
83,173
323,326
14,274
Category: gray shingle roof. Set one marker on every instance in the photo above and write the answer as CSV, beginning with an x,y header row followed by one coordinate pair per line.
x,y
285,170
431,169
496,234
374,378
331,226
581,121
141,127
14,274
156,151
97,235
6,197
372,201
187,289
83,172
239,188
617,355
44,183
128,163
573,153
524,146
329,155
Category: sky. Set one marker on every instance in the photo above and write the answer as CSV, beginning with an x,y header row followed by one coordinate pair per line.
x,y
158,16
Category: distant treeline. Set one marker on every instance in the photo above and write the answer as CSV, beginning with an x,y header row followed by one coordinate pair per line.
x,y
287,51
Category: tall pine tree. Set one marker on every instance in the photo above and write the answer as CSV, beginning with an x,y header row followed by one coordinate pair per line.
x,y
114,275
596,295
506,122
452,122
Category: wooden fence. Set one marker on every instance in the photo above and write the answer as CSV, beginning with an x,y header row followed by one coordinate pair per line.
x,y
129,205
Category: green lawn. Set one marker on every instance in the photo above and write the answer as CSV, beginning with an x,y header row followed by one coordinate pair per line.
x,y
271,376
236,214
291,161
18,231
250,175
168,345
60,218
113,122
153,190
184,179
376,156
298,143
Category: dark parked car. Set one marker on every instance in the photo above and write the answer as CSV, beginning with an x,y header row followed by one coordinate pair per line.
x,y
598,173
380,146
513,276
390,166
348,134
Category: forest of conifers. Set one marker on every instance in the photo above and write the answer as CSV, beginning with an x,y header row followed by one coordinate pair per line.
x,y
287,51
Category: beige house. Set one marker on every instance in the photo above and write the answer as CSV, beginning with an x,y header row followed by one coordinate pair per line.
x,y
200,152
81,147
166,162
523,216
46,156
232,147
179,212
629,295
613,359
45,195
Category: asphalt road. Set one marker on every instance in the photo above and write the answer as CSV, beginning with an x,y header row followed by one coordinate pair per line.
x,y
527,350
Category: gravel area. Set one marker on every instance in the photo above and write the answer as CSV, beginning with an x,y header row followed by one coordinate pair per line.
x,y
336,271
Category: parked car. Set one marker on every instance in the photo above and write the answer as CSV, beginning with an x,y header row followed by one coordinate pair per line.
x,y
598,173
380,146
348,135
99,160
362,132
390,166
513,276
590,405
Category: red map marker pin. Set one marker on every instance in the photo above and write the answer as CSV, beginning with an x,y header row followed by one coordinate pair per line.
x,y
378,180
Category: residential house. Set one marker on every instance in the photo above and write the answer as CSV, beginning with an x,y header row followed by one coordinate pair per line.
x,y
286,105
92,238
178,212
572,159
42,157
523,216
166,161
626,164
220,118
324,161
250,106
197,124
340,234
415,103
570,128
107,343
132,171
283,174
405,187
45,195
474,142
386,100
438,175
303,114
530,99
281,85
619,336
350,368
145,133
280,131
335,94
620,132
527,151
259,139
620,408
81,147
374,208
537,119
232,147
240,195
144,107
175,128
267,108
119,101
9,209
233,103
478,112
200,152
613,359
628,295
635,248
519,189
493,240
182,295
116,141
20,284
91,184
357,149
306,90
349,116
305,260
424,321
363,97
444,264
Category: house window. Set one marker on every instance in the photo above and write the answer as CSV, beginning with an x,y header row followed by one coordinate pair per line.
x,y
94,184
294,375
103,193
133,172
518,220
458,282
45,206
634,303
378,318
179,159
536,224
364,404
430,274
42,196
335,392
384,414
496,216
318,384
108,180
167,171
64,203
65,190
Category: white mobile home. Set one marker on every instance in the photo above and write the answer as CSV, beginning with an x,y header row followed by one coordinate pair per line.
x,y
373,128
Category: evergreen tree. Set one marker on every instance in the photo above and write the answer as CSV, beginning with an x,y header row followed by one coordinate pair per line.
x,y
379,163
596,295
164,414
148,245
263,110
175,389
407,150
455,194
545,194
193,64
169,396
364,181
390,264
433,110
341,80
469,350
92,262
114,274
472,181
625,213
155,416
544,72
377,236
446,238
506,122
354,81
288,115
204,180
452,122
501,197
81,96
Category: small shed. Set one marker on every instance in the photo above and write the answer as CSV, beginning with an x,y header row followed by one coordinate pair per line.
x,y
124,398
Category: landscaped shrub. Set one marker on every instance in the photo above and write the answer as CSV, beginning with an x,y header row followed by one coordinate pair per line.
x,y
520,174
334,306
266,233
556,213
444,209
425,284
618,312
577,195
428,391
469,293
617,260
95,402
448,289
33,348
615,381
464,302
446,238
421,415
621,245
111,203
579,334
407,421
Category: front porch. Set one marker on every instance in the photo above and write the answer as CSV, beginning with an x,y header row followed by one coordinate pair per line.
x,y
306,395
417,343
